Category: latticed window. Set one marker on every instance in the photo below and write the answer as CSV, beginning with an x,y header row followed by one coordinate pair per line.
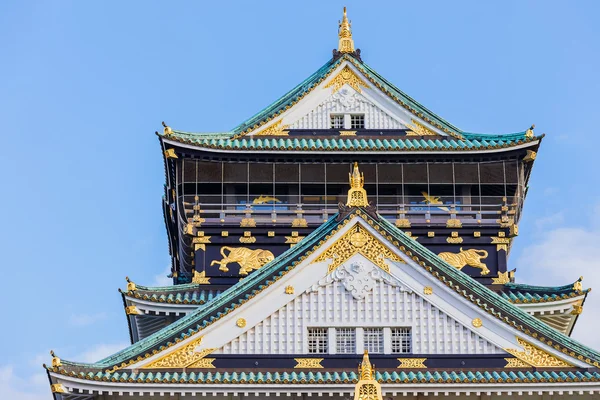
x,y
337,122
401,340
374,340
317,340
357,121
345,340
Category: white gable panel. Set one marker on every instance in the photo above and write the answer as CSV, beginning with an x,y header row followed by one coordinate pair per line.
x,y
275,319
347,100
330,303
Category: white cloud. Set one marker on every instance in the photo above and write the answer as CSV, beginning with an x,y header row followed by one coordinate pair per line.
x,y
553,219
86,319
99,351
161,279
14,387
560,257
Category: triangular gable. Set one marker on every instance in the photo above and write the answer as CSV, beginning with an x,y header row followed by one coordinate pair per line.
x,y
361,295
494,318
392,108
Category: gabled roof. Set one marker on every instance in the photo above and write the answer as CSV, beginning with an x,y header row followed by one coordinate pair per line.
x,y
244,291
455,139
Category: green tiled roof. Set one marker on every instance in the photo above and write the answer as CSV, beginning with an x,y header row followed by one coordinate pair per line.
x,y
348,377
177,294
245,290
458,139
407,143
520,293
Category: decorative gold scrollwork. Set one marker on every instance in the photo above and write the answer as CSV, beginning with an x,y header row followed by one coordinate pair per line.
x,y
535,356
349,77
182,357
308,363
248,259
358,240
412,363
471,257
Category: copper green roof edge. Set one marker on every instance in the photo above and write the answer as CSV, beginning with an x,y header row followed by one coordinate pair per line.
x,y
170,288
511,286
349,377
201,316
196,295
516,292
494,300
407,143
288,98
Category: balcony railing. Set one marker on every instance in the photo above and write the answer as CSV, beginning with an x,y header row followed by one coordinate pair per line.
x,y
316,209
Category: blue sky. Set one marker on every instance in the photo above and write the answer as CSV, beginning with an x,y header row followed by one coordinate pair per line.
x,y
86,84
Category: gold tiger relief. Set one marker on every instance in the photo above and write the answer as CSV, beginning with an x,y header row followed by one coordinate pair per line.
x,y
248,259
471,257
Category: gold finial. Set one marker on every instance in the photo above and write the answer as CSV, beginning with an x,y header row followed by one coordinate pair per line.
x,y
55,360
357,195
167,131
346,44
529,132
130,285
366,369
577,286
367,387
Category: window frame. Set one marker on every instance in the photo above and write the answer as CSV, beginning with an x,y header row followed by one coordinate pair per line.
x,y
337,118
361,118
316,343
401,340
346,342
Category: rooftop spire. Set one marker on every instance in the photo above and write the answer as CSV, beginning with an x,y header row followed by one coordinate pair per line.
x,y
346,44
367,387
357,195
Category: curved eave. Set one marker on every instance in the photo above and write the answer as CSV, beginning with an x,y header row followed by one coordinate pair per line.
x,y
332,380
344,148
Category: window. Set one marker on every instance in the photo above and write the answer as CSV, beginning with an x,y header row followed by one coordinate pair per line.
x,y
317,340
401,340
357,121
374,340
337,122
345,340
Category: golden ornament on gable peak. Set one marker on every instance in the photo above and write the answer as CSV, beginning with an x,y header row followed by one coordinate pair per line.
x,y
357,195
345,43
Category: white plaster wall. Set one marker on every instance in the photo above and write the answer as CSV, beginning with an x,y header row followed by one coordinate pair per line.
x,y
433,332
346,100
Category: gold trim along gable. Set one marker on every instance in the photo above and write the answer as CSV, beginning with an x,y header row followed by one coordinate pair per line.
x,y
358,241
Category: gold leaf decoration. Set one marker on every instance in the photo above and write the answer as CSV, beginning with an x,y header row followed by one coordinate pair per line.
x,y
275,129
247,259
200,278
412,363
535,356
349,77
308,363
502,278
358,240
182,357
516,363
470,257
418,129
